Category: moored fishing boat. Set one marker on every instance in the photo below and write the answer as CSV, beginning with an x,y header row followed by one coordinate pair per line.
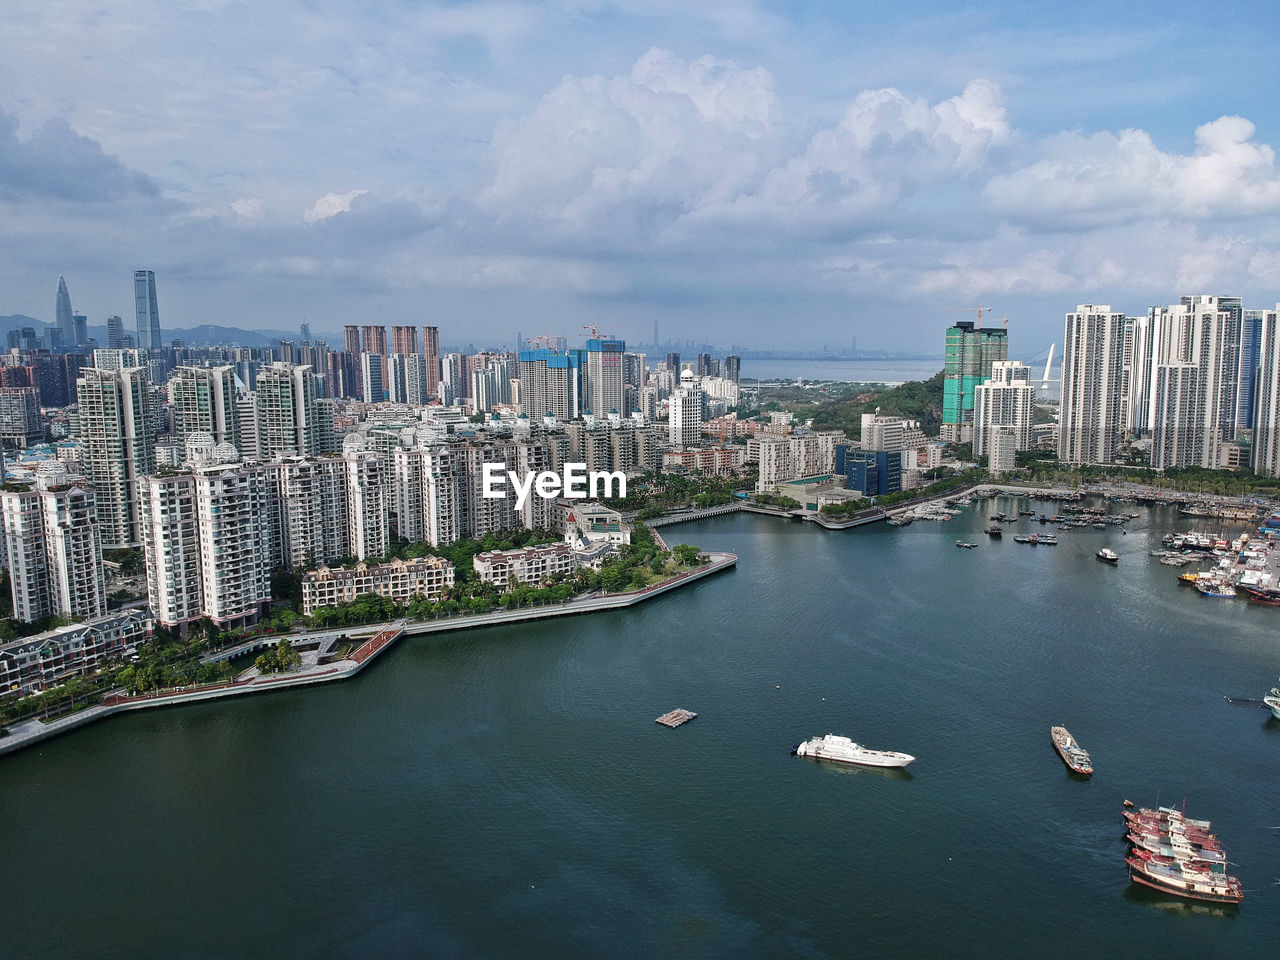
x,y
1182,882
1178,855
1073,755
1268,598
966,544
1215,588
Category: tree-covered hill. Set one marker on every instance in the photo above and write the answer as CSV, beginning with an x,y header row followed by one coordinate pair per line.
x,y
917,400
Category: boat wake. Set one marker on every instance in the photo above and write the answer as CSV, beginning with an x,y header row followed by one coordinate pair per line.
x,y
1245,702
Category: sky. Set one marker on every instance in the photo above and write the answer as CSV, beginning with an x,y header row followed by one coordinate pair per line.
x,y
783,174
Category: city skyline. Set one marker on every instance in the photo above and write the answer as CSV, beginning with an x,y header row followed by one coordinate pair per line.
x,y
721,170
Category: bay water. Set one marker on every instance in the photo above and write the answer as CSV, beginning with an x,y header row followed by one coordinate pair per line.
x,y
505,792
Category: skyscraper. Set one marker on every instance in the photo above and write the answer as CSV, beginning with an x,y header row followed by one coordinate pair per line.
x,y
117,435
371,378
1266,423
431,350
1091,423
733,368
404,339
1204,332
115,333
65,317
351,339
970,353
144,296
374,337
604,376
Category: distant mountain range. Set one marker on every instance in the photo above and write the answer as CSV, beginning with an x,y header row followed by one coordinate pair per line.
x,y
205,335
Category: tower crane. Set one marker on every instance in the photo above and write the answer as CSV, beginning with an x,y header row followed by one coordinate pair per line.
x,y
980,310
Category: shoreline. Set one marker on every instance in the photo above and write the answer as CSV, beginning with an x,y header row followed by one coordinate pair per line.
x,y
30,732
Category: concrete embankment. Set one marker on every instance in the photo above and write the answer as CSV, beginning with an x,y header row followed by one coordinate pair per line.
x,y
31,732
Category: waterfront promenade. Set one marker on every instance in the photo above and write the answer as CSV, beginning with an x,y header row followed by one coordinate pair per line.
x,y
314,669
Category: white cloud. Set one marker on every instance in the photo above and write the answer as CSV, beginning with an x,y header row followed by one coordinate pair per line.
x,y
670,136
247,208
330,205
1113,178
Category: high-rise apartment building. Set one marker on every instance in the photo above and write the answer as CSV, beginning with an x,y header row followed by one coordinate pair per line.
x,y
204,400
1204,332
685,413
148,312
1247,377
374,339
604,376
427,485
289,416
207,538
1091,422
549,384
117,437
1177,439
733,368
20,422
371,378
1006,400
408,380
491,385
970,353
54,548
431,351
404,340
1266,423
351,339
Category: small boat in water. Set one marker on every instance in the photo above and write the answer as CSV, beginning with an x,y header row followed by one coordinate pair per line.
x,y
1107,555
844,750
1272,700
966,544
994,532
1073,755
1215,588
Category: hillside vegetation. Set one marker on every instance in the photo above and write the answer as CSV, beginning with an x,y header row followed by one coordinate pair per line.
x,y
916,400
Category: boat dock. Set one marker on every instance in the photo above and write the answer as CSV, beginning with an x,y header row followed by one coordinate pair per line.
x,y
676,717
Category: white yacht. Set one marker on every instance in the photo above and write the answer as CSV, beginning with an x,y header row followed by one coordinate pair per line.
x,y
1272,700
844,750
